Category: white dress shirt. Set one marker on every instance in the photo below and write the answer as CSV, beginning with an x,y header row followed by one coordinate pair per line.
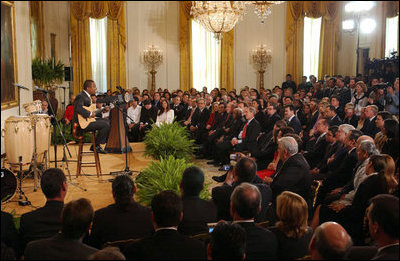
x,y
133,113
165,117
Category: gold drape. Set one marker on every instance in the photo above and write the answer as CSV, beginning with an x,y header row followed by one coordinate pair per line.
x,y
185,48
329,39
37,29
294,39
330,36
227,70
389,9
81,11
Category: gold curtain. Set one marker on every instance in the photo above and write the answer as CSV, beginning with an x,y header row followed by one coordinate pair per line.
x,y
329,39
81,11
37,29
294,39
389,9
185,48
227,70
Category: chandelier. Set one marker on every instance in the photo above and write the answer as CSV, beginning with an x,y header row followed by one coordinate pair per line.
x,y
218,16
261,58
263,8
152,57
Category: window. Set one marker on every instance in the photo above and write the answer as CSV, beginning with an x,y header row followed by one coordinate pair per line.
x,y
312,32
98,48
392,29
206,53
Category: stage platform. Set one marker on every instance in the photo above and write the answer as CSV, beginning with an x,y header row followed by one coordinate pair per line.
x,y
98,189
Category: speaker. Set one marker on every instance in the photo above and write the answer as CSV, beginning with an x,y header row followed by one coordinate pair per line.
x,y
68,74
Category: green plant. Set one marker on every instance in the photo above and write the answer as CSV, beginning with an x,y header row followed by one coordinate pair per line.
x,y
47,71
66,129
163,175
169,139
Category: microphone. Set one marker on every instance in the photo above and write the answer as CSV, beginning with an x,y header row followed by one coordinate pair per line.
x,y
40,89
20,86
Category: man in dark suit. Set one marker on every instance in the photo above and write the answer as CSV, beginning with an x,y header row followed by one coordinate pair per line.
x,y
271,117
289,83
45,222
245,204
76,219
9,234
167,242
335,102
199,119
370,127
334,119
314,156
244,171
294,173
383,223
196,211
292,119
148,116
125,219
100,125
178,108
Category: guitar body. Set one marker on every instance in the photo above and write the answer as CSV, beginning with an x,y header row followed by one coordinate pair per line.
x,y
84,122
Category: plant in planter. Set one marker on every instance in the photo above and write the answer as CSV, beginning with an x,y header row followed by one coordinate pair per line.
x,y
163,175
169,139
45,72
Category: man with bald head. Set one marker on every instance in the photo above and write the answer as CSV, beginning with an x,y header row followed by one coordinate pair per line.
x,y
330,241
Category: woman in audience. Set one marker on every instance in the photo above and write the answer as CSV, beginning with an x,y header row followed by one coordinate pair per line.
x,y
349,116
360,98
307,114
165,114
361,121
214,111
381,138
291,230
391,145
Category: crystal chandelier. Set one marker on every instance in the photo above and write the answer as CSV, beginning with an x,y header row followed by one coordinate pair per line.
x,y
263,8
218,16
261,58
152,57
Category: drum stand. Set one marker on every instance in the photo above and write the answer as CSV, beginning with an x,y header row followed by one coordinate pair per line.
x,y
20,177
35,168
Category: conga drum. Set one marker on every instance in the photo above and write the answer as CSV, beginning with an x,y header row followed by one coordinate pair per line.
x,y
33,107
18,139
42,122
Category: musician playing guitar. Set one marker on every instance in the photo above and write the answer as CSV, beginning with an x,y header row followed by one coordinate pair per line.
x,y
84,115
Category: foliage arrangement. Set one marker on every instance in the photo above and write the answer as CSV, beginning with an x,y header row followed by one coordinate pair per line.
x,y
169,139
163,175
47,72
66,129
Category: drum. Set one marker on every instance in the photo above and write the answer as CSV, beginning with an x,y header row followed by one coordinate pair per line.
x,y
33,107
8,185
42,122
18,139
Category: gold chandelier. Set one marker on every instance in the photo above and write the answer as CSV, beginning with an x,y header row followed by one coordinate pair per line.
x,y
261,58
218,16
263,8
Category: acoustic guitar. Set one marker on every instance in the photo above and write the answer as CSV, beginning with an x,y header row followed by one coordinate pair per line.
x,y
84,122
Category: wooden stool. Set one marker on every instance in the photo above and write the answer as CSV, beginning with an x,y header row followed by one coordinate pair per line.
x,y
96,163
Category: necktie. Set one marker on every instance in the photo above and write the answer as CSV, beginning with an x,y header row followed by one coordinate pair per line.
x,y
244,130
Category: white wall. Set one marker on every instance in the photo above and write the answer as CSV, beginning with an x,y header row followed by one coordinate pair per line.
x,y
24,62
250,33
152,23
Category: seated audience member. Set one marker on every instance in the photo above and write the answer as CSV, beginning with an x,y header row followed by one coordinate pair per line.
x,y
350,117
332,116
69,110
292,119
360,98
125,219
314,155
76,219
271,117
148,116
245,205
9,234
133,112
380,138
7,253
391,131
178,108
167,242
228,242
244,171
108,253
330,242
165,113
196,211
337,107
45,222
383,223
332,148
291,230
392,98
294,174
197,126
369,128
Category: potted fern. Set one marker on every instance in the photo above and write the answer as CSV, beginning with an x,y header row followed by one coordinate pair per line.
x,y
46,73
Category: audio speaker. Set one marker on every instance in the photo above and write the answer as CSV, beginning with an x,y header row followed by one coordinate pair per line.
x,y
68,74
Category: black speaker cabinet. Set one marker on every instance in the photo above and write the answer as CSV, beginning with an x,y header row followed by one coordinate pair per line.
x,y
68,74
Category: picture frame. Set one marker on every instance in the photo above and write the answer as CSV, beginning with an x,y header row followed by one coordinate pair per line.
x,y
9,92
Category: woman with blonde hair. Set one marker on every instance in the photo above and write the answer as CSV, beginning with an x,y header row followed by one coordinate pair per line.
x,y
291,230
359,99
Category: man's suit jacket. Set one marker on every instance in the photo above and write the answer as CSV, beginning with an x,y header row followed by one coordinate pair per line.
x,y
261,243
200,118
166,244
319,149
335,121
234,129
352,121
112,223
388,253
178,111
269,122
196,214
40,223
312,121
148,116
294,175
9,234
82,99
219,120
295,124
370,128
221,196
58,247
249,142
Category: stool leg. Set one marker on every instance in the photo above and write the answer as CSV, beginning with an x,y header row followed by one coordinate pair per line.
x,y
78,168
96,155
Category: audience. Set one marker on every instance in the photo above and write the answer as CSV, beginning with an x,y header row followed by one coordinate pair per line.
x,y
228,242
108,253
125,219
76,219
